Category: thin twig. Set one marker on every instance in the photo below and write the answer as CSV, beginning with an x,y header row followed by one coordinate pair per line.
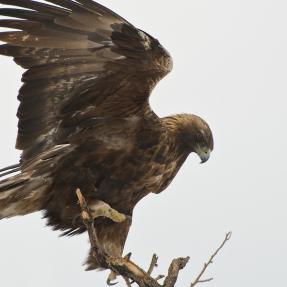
x,y
210,261
153,264
205,280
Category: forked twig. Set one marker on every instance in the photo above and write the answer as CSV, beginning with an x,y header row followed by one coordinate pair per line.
x,y
210,261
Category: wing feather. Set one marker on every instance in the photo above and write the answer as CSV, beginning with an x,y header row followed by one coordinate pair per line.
x,y
84,63
40,7
25,14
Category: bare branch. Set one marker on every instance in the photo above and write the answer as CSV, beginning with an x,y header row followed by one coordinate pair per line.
x,y
173,270
89,223
131,272
153,264
210,261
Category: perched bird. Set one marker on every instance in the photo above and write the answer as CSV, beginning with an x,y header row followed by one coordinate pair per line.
x,y
85,120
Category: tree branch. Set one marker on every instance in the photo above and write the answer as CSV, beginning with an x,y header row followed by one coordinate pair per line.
x,y
131,272
173,270
210,261
153,264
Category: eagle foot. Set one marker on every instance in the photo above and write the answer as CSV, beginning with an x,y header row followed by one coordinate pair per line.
x,y
100,208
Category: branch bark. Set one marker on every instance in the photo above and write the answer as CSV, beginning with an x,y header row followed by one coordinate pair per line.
x,y
130,271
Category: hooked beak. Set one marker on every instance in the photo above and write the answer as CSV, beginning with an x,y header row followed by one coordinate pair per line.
x,y
203,154
205,158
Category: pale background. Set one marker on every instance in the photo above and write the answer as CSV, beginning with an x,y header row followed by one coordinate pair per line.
x,y
230,67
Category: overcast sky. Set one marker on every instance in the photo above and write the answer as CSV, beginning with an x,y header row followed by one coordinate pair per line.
x,y
230,67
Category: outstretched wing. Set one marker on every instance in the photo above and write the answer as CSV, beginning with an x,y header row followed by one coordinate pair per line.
x,y
85,64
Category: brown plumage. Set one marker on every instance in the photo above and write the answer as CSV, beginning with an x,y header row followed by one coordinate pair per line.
x,y
84,116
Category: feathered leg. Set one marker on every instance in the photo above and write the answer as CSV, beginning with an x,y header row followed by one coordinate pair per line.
x,y
102,233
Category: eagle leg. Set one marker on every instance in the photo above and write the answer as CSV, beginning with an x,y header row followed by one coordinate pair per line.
x,y
100,208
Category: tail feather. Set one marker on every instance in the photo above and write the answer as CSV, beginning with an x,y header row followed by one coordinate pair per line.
x,y
21,194
10,169
11,183
9,172
29,191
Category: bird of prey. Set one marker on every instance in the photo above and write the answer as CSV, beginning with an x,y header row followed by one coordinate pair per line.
x,y
85,120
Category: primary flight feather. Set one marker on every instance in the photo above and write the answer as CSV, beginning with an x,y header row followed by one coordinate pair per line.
x,y
85,120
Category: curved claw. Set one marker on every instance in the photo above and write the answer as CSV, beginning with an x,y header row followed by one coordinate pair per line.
x,y
128,256
112,276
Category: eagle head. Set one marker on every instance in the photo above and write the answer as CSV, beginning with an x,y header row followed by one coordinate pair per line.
x,y
193,134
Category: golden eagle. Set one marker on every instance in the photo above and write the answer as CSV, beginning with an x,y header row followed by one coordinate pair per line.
x,y
85,120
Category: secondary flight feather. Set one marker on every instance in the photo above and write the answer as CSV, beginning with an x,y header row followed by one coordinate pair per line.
x,y
85,120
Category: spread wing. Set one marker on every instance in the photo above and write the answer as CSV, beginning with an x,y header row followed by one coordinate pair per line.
x,y
84,64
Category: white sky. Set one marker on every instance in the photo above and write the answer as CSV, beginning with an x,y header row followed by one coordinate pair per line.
x,y
230,67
